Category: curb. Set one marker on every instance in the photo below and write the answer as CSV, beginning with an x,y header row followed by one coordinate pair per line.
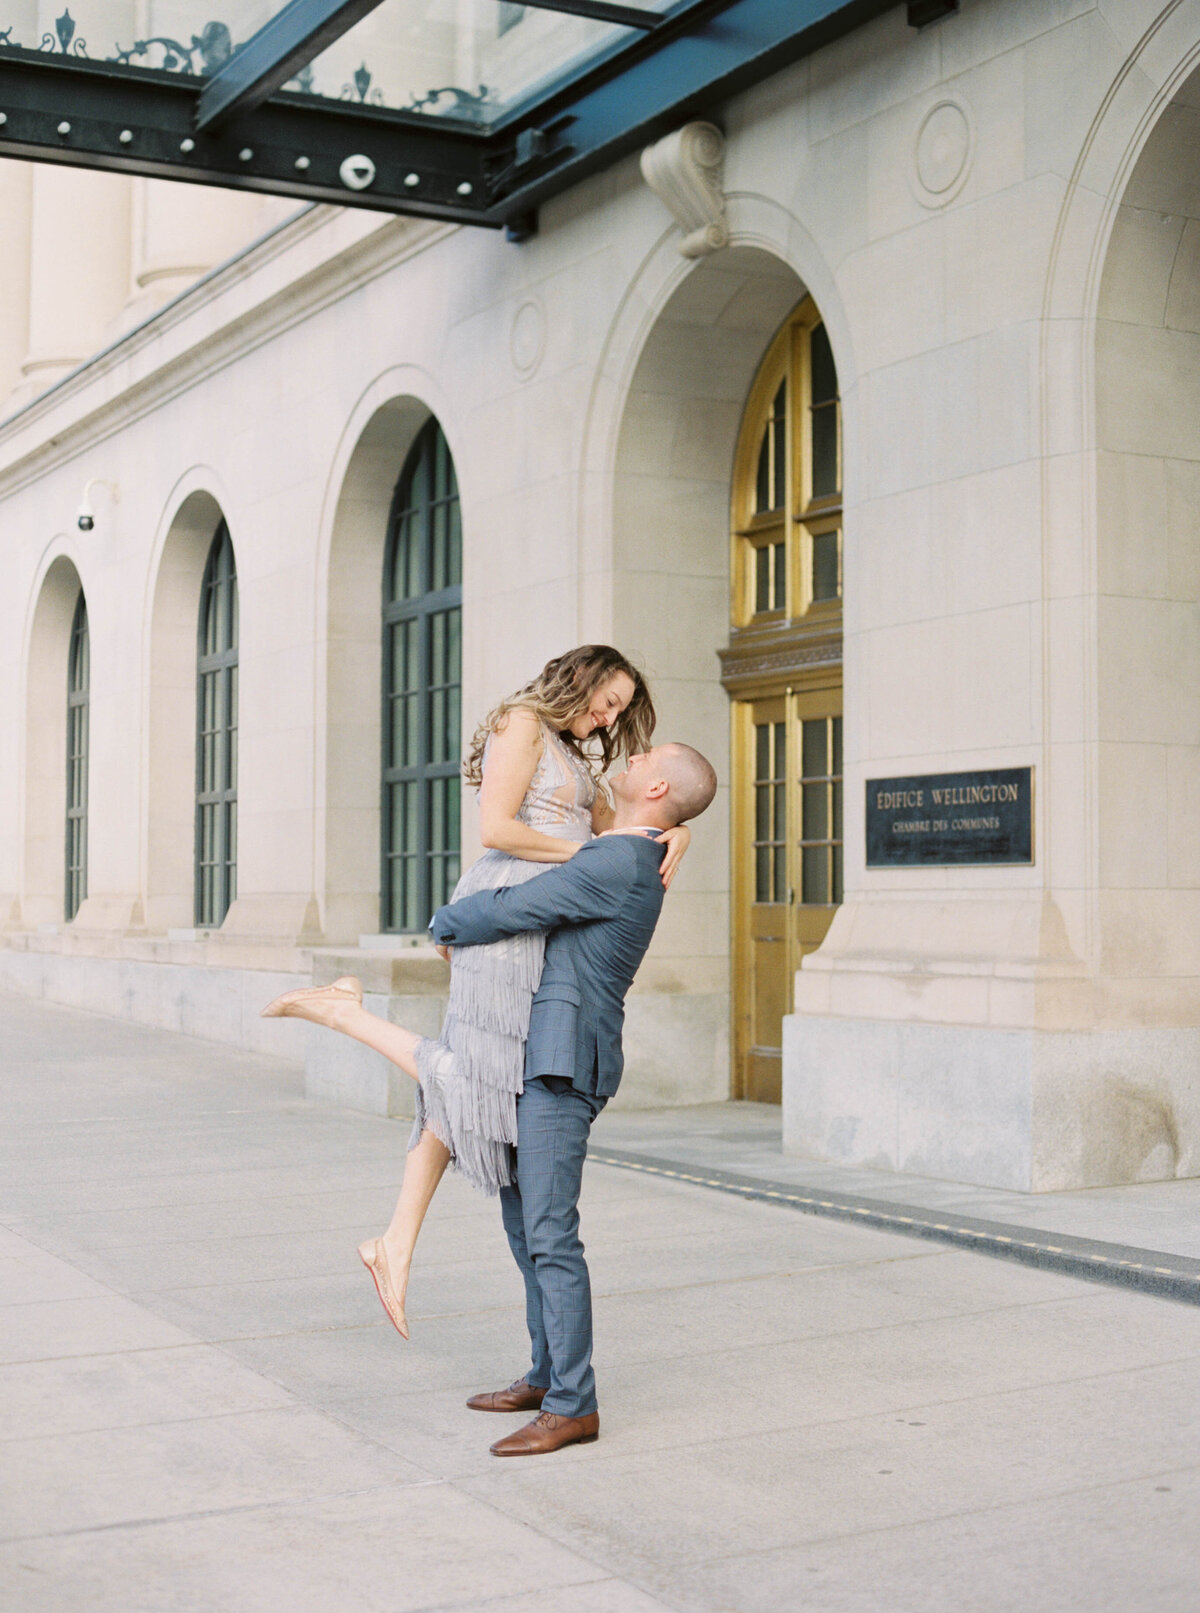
x,y
1146,1270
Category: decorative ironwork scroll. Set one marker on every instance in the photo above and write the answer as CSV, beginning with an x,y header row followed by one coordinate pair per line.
x,y
463,102
210,49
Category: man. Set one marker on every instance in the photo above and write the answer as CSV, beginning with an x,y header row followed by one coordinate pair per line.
x,y
600,909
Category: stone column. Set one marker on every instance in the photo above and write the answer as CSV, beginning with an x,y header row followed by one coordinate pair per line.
x,y
78,269
79,234
179,233
16,190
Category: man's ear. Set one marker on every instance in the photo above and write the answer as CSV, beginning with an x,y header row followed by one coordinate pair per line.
x,y
656,791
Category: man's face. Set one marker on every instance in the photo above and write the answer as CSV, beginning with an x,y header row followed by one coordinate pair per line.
x,y
642,771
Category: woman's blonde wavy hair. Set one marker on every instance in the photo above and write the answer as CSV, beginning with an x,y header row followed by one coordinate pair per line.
x,y
561,692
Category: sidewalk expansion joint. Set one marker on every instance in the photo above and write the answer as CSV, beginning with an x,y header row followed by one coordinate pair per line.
x,y
1149,1271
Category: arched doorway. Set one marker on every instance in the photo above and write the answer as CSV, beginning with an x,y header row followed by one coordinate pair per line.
x,y
676,451
783,666
1147,604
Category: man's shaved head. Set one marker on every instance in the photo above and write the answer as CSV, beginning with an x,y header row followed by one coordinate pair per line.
x,y
664,786
692,780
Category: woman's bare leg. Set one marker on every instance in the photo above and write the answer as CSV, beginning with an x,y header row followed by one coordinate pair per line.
x,y
337,1010
389,1259
423,1170
393,1041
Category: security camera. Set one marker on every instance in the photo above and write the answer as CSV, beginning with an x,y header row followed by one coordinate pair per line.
x,y
85,520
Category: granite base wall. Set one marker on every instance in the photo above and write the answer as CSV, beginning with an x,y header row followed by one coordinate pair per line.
x,y
1035,1111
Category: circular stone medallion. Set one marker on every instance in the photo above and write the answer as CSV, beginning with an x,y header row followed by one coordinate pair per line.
x,y
943,153
527,338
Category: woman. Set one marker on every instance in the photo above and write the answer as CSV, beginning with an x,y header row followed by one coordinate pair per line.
x,y
539,801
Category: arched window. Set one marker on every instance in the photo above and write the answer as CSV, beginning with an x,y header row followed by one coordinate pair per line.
x,y
216,735
788,509
78,674
422,675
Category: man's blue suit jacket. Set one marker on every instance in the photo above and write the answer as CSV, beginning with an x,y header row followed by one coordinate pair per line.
x,y
600,909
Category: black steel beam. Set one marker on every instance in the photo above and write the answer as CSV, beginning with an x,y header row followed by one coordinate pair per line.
x,y
702,53
601,11
57,108
293,36
96,115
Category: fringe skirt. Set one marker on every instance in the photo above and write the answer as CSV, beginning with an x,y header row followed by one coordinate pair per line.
x,y
471,1075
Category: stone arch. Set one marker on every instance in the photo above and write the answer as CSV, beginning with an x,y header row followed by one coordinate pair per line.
x,y
671,482
375,445
762,233
170,765
43,871
1146,427
1159,62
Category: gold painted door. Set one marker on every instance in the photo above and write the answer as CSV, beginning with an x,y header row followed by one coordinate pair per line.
x,y
767,900
818,843
789,769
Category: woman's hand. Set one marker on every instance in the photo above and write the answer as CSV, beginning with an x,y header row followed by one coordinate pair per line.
x,y
442,952
677,841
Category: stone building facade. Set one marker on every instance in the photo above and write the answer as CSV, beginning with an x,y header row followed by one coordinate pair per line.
x,y
895,472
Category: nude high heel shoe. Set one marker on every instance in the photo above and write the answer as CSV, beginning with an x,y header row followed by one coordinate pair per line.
x,y
300,1004
374,1257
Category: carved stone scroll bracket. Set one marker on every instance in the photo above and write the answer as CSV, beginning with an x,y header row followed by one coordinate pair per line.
x,y
685,172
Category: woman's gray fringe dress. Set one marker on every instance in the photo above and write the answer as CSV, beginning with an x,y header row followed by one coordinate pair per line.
x,y
471,1075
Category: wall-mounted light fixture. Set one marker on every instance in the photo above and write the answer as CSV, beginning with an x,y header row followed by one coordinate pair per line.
x,y
85,516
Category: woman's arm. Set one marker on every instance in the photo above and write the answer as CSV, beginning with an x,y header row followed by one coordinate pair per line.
x,y
511,761
677,841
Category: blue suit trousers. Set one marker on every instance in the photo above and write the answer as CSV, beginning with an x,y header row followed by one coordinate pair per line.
x,y
541,1218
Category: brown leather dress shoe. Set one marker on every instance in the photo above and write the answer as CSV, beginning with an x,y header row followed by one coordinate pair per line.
x,y
549,1432
519,1396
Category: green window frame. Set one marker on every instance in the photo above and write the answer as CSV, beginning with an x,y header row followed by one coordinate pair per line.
x,y
217,736
422,688
78,695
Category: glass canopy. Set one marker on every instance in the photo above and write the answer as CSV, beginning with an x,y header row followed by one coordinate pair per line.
x,y
471,111
470,61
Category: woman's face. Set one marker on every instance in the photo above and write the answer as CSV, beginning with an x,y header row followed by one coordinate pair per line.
x,y
605,706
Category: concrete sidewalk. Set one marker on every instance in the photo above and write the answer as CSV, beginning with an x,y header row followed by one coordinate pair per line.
x,y
203,1407
746,1138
